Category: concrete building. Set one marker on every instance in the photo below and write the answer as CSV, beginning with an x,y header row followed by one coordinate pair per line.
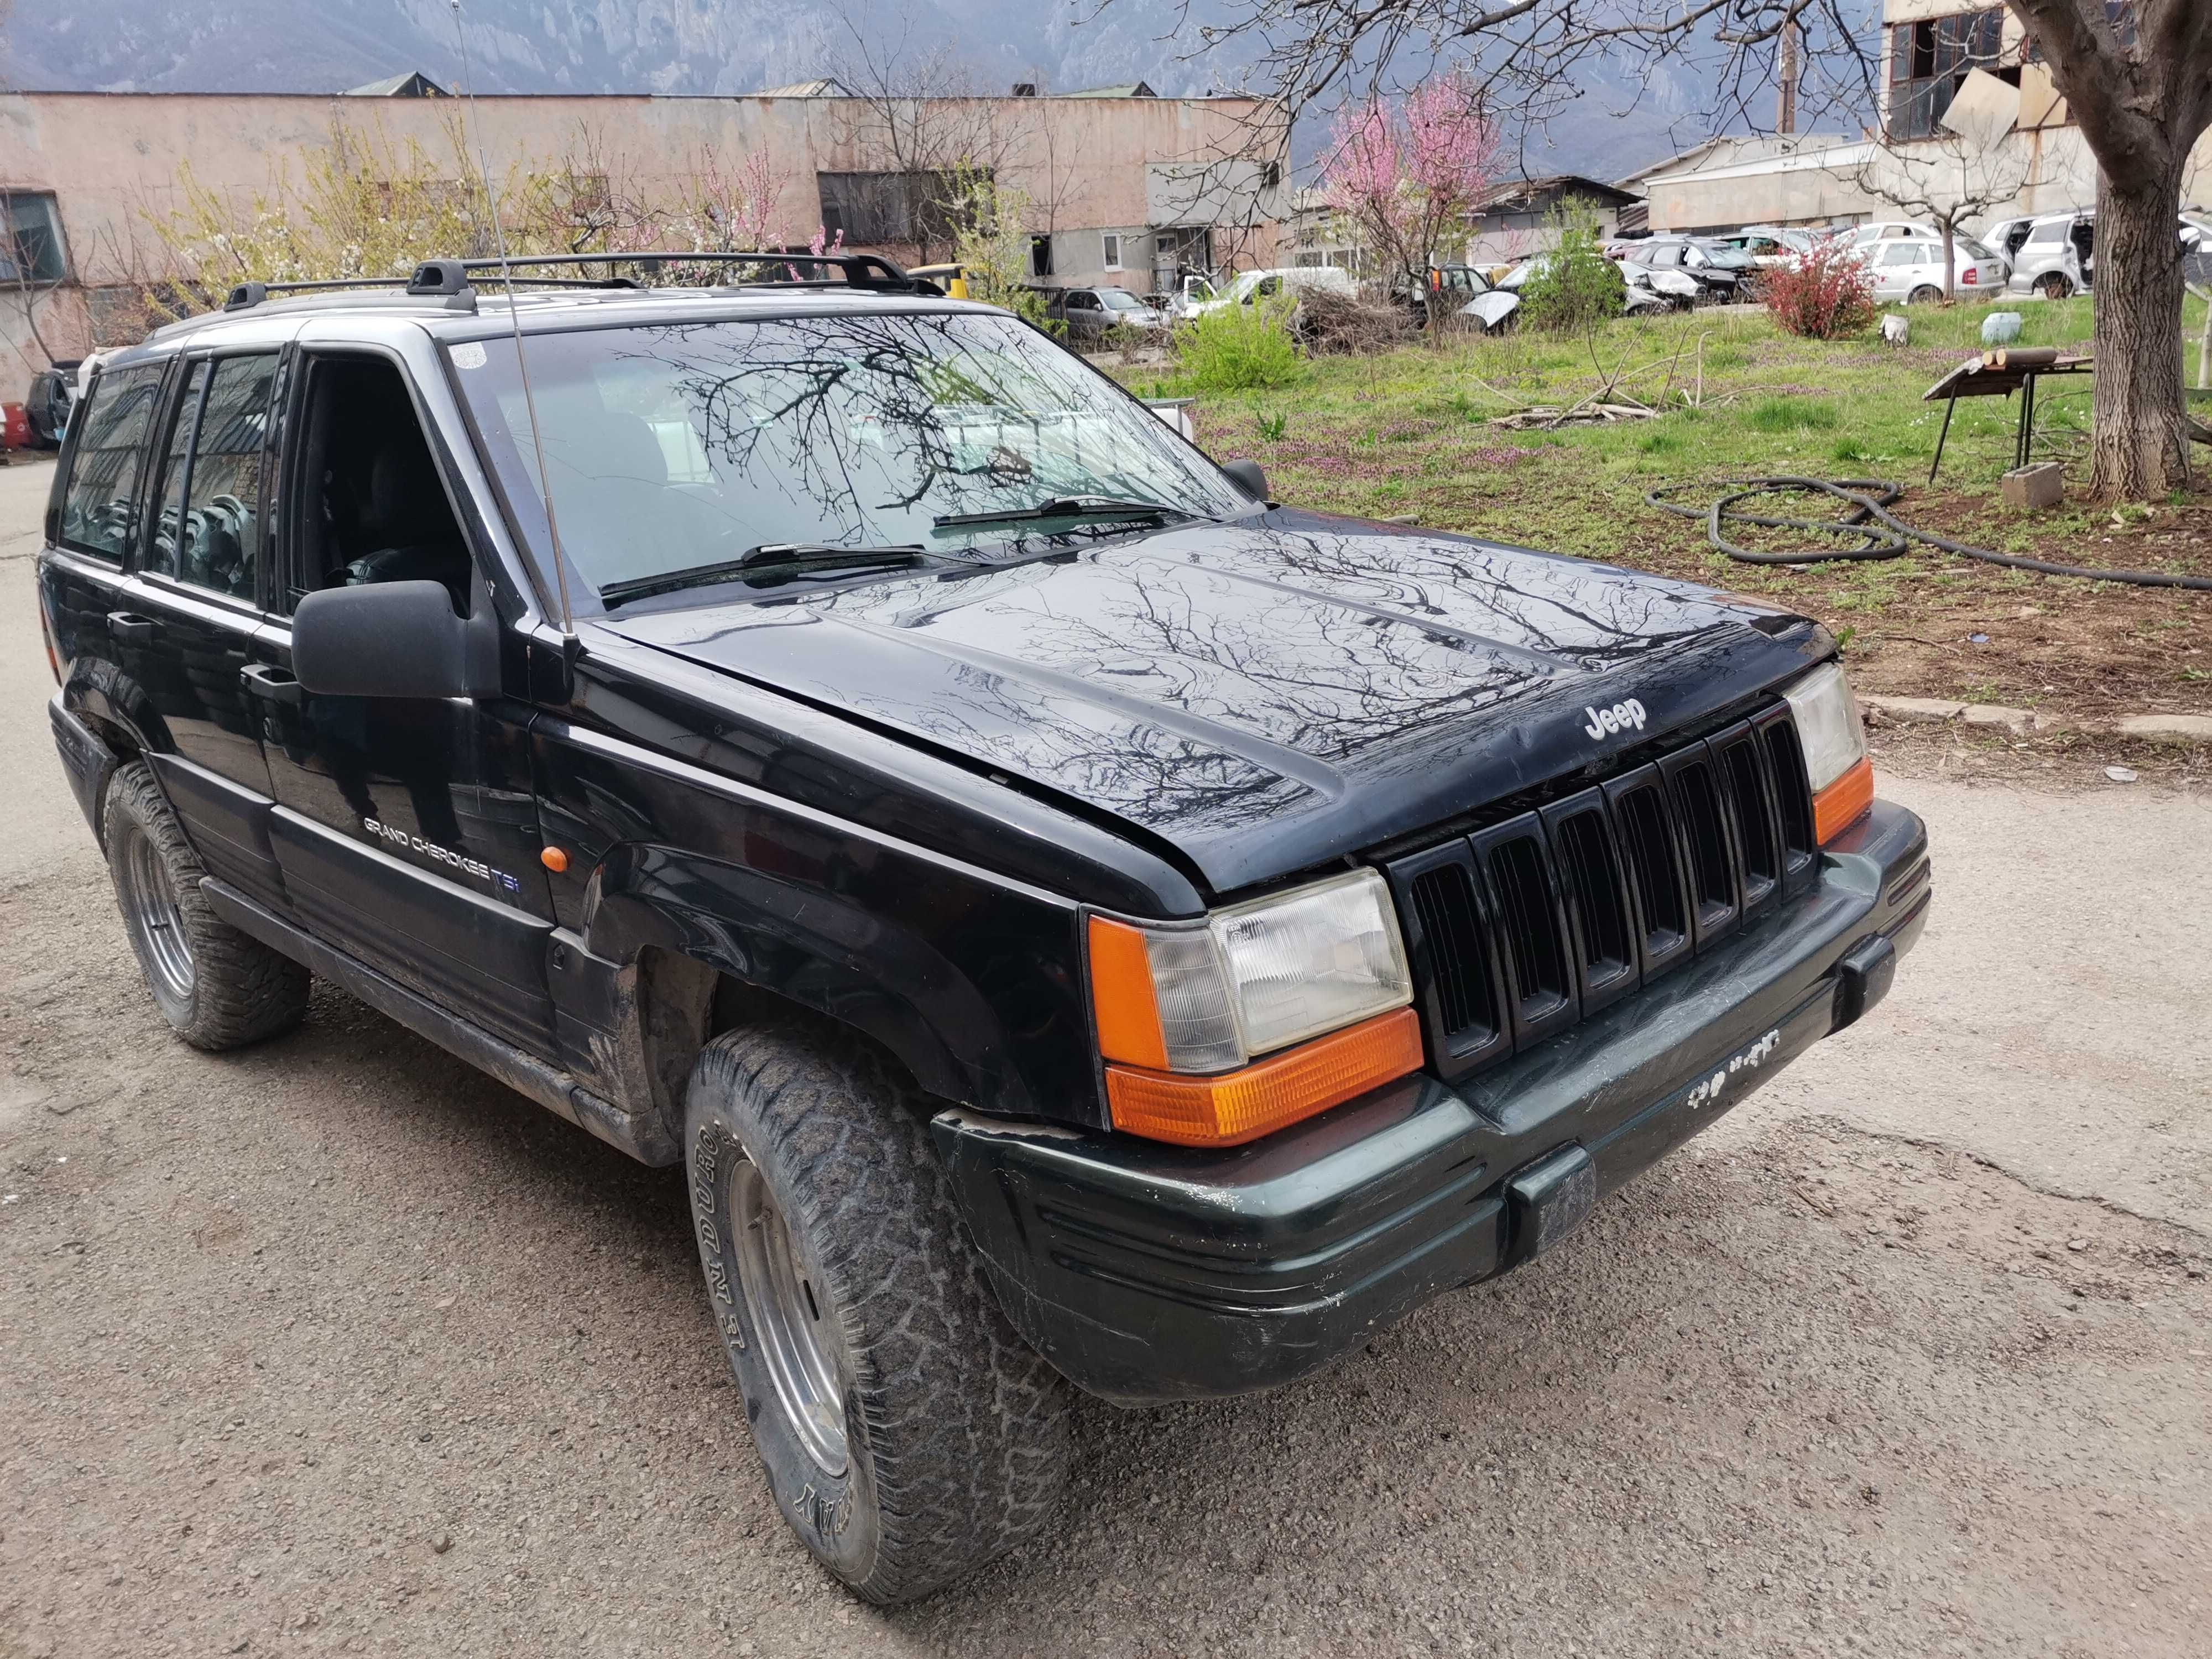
x,y
1124,187
1514,219
2032,159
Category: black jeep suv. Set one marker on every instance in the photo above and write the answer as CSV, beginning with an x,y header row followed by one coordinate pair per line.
x,y
1076,920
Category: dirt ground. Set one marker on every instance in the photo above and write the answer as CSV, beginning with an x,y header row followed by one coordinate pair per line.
x,y
335,1346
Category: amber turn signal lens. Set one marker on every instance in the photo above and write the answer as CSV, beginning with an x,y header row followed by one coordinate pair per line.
x,y
1123,1000
1836,808
1234,1107
554,860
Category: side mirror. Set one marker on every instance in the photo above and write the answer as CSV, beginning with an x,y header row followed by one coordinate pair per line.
x,y
392,639
1248,478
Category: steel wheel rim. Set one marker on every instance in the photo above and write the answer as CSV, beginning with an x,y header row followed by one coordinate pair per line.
x,y
794,1320
157,921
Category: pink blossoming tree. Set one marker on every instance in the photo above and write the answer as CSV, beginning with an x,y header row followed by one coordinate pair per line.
x,y
1406,177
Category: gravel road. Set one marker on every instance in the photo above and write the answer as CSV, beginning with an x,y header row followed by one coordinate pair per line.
x,y
335,1345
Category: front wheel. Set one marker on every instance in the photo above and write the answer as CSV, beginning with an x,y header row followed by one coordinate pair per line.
x,y
907,1434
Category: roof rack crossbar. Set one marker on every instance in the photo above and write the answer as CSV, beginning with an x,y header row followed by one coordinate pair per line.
x,y
871,268
454,278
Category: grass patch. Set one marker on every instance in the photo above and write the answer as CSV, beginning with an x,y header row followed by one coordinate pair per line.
x,y
1793,414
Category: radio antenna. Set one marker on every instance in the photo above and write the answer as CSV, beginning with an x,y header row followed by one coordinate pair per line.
x,y
515,319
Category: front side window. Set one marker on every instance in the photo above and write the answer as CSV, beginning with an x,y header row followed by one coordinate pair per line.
x,y
208,531
673,446
100,506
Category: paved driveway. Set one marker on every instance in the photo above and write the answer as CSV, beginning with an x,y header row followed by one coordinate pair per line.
x,y
334,1344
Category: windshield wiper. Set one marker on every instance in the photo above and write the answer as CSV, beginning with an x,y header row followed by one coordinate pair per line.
x,y
759,561
1069,507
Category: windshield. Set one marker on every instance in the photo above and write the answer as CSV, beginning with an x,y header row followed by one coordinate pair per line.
x,y
1120,299
677,445
1728,259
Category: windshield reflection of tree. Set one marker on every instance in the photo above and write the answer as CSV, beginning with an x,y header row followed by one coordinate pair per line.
x,y
848,418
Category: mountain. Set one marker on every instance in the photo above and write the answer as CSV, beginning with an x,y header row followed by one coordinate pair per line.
x,y
1621,121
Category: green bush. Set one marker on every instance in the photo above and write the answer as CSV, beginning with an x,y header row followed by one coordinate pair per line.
x,y
1574,286
1240,348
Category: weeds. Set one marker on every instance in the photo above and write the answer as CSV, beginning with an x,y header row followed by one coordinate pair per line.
x,y
1240,348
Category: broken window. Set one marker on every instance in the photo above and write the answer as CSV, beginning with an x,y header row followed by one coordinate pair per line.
x,y
1929,61
33,251
878,209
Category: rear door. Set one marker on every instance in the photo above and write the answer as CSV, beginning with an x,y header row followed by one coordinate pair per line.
x,y
191,607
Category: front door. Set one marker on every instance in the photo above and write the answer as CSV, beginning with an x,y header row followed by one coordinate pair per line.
x,y
406,828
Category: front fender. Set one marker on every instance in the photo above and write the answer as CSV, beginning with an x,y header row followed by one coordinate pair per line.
x,y
973,979
816,948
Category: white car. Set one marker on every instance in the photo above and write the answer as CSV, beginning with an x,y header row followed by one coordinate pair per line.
x,y
1890,230
1910,269
1253,285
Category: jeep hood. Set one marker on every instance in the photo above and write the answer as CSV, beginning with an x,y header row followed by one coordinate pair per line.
x,y
1262,697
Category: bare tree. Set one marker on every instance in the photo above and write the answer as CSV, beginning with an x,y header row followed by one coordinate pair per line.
x,y
2136,77
1523,56
1969,166
2143,96
916,107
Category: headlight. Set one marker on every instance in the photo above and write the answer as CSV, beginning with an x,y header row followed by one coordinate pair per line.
x,y
1254,980
1827,717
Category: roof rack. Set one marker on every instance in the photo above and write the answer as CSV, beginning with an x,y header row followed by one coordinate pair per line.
x,y
454,279
858,270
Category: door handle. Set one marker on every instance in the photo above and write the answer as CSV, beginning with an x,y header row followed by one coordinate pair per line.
x,y
128,628
270,685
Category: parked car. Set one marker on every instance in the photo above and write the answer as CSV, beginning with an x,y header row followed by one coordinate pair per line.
x,y
1910,270
1718,270
1459,290
1890,230
1650,289
46,408
1090,313
1766,247
1248,287
2005,239
2057,256
1076,924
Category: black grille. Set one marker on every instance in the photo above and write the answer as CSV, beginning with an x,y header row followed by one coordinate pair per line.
x,y
1520,929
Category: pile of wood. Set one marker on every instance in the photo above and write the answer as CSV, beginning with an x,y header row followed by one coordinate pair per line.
x,y
1332,322
1588,412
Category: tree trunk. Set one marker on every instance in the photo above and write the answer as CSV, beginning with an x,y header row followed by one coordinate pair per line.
x,y
2139,442
1950,260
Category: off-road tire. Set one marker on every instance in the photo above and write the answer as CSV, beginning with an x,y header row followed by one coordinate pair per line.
x,y
239,990
955,1431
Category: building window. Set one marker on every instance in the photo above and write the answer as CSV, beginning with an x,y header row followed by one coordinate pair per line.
x,y
873,209
1929,61
34,252
1040,256
1110,243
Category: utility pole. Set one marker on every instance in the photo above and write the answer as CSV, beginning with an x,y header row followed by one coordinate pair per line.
x,y
1785,115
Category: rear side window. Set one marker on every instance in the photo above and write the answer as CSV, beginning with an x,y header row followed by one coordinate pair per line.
x,y
2050,233
100,506
210,531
